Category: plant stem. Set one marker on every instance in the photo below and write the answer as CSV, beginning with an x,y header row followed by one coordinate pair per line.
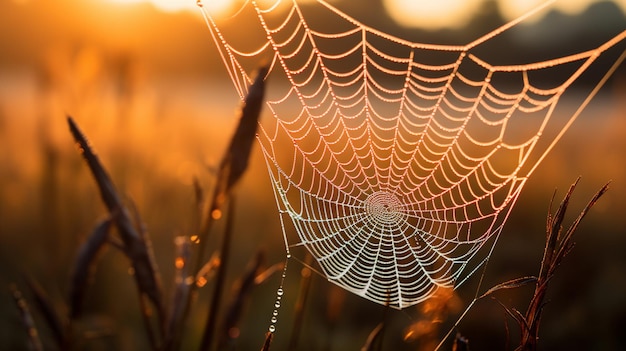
x,y
209,331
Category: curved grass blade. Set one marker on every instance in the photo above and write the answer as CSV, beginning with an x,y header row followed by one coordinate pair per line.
x,y
510,284
84,265
374,341
136,246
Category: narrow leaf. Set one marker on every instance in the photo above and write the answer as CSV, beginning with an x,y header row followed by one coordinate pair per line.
x,y
513,283
235,160
48,312
84,265
107,189
207,271
515,314
268,341
567,243
375,339
34,342
263,276
136,247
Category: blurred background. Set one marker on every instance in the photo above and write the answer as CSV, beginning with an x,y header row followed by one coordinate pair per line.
x,y
146,84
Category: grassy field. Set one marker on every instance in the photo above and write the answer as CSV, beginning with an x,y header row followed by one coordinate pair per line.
x,y
155,137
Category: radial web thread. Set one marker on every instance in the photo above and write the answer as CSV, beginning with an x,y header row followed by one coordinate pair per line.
x,y
395,164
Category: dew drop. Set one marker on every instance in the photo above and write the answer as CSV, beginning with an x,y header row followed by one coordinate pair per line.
x,y
216,214
279,295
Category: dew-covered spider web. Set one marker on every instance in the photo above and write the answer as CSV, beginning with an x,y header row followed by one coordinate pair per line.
x,y
395,164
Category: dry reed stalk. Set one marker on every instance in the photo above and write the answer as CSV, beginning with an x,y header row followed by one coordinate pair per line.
x,y
558,245
34,342
84,266
55,323
136,246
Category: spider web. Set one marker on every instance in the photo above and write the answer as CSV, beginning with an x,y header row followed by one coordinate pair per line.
x,y
396,163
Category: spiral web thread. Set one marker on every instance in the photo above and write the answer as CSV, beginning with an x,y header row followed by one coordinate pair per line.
x,y
396,162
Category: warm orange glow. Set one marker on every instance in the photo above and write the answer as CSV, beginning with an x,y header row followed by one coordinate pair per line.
x,y
432,14
512,9
213,6
216,214
201,281
457,13
179,262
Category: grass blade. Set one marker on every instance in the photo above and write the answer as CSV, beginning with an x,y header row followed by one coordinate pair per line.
x,y
85,264
209,330
233,165
48,312
235,160
240,146
557,247
34,342
268,341
513,283
374,341
136,246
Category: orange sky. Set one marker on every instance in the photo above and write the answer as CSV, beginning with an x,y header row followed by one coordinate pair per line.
x,y
410,13
175,42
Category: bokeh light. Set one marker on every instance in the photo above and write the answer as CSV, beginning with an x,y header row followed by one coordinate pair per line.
x,y
432,14
215,6
511,9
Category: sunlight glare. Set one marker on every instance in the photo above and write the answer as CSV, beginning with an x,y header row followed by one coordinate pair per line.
x,y
214,6
432,14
